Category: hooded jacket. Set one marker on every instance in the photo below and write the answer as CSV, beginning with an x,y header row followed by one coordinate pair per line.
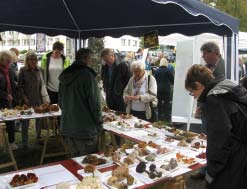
x,y
80,102
224,108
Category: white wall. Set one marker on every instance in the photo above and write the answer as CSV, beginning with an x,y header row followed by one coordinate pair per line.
x,y
188,53
124,43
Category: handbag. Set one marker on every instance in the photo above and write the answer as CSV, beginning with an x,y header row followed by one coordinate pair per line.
x,y
44,94
153,106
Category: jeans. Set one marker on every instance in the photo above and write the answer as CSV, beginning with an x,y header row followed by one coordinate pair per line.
x,y
24,130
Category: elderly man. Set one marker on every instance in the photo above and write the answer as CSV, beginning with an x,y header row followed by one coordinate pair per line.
x,y
115,76
214,61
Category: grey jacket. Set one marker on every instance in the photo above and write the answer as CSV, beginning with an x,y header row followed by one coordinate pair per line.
x,y
219,71
29,83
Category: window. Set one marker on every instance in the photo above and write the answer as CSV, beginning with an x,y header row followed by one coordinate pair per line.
x,y
17,42
134,43
32,42
50,41
123,41
10,42
128,42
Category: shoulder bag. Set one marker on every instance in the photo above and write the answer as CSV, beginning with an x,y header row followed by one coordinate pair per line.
x,y
154,110
44,93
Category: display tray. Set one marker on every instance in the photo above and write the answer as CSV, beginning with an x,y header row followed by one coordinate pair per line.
x,y
8,178
108,174
121,125
97,173
183,161
108,163
23,186
145,178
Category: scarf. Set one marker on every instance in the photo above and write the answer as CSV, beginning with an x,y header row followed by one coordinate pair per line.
x,y
5,71
137,84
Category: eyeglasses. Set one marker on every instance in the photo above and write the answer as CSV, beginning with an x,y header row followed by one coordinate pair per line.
x,y
191,92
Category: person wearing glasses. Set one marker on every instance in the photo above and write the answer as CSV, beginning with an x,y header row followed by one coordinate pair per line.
x,y
29,83
214,61
52,64
225,111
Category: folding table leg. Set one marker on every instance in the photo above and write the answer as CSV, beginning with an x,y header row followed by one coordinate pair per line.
x,y
6,142
58,137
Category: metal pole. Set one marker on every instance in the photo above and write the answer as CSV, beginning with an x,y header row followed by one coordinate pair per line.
x,y
75,43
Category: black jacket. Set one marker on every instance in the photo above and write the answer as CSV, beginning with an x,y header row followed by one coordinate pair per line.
x,y
115,85
226,134
79,99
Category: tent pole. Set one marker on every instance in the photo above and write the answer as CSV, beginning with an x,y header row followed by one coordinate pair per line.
x,y
75,43
236,57
228,57
79,39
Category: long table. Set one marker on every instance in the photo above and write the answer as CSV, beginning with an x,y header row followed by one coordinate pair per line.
x,y
133,134
72,167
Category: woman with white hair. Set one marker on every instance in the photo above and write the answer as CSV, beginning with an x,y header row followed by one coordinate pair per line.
x,y
165,80
140,92
6,89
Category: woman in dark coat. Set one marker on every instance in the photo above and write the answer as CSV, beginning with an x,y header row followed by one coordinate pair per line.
x,y
6,92
225,111
165,80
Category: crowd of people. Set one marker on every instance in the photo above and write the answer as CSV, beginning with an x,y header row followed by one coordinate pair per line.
x,y
130,88
23,87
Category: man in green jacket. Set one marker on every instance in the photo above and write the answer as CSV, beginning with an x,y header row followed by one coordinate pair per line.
x,y
79,98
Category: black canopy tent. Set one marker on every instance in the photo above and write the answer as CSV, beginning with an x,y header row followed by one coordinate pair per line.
x,y
87,18
98,18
